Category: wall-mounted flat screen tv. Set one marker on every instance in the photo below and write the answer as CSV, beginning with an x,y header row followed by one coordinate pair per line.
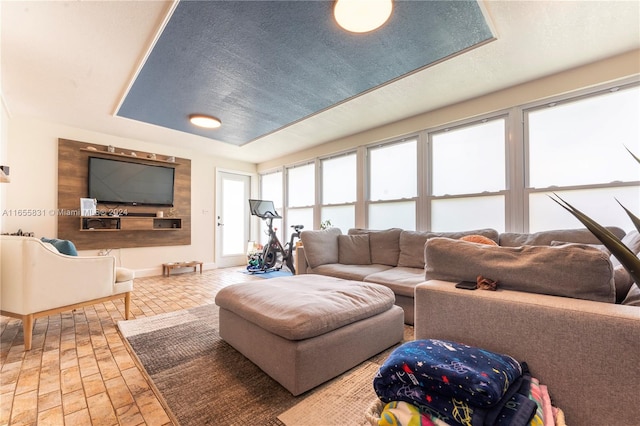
x,y
123,182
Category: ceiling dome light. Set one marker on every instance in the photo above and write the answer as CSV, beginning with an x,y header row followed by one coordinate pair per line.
x,y
361,16
206,121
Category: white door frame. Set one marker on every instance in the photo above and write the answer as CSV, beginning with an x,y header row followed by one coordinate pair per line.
x,y
224,261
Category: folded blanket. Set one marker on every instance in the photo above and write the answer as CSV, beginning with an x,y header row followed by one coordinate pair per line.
x,y
423,369
400,413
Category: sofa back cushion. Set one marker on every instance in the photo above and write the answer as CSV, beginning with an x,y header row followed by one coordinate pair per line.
x,y
577,271
544,238
632,241
321,247
384,244
354,250
412,244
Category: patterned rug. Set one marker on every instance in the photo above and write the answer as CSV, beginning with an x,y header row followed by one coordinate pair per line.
x,y
204,381
270,274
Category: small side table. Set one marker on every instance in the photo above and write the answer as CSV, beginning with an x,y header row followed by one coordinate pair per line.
x,y
167,267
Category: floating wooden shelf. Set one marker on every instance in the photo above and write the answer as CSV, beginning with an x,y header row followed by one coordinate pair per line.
x,y
125,223
128,156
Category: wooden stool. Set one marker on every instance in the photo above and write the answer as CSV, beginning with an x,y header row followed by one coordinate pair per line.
x,y
167,267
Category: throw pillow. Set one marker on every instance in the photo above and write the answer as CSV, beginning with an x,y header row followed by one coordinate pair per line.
x,y
63,246
576,271
383,244
412,244
51,247
354,250
479,239
321,247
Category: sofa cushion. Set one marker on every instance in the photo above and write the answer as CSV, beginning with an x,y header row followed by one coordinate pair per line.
x,y
354,250
544,238
576,271
63,246
305,306
348,272
633,297
412,244
384,244
598,246
321,247
632,241
401,280
623,282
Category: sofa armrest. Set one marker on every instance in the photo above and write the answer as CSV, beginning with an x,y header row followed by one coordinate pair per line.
x,y
301,261
586,352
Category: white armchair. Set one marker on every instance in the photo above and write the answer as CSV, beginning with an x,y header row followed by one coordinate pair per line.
x,y
36,280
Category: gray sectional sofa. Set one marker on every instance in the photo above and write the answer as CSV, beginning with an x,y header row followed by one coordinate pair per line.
x,y
584,346
392,257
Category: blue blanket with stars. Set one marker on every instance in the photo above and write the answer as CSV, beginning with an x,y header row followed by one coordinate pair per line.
x,y
450,380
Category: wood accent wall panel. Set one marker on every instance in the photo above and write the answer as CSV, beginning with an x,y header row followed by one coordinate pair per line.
x,y
73,161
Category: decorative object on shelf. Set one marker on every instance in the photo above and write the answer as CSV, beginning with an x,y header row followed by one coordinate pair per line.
x,y
111,148
151,156
171,159
4,174
159,213
172,212
133,154
88,206
91,148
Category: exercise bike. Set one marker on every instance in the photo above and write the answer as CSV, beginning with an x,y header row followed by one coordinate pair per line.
x,y
273,256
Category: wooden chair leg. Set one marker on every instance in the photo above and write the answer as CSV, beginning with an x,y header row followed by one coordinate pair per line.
x,y
127,304
27,328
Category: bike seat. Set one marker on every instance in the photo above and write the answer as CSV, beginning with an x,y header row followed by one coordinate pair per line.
x,y
297,227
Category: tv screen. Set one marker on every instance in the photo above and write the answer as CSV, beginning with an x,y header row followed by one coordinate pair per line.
x,y
122,182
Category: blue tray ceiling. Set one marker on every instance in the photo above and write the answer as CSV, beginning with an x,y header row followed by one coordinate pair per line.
x,y
260,66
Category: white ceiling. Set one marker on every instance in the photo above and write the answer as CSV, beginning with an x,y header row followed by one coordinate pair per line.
x,y
72,62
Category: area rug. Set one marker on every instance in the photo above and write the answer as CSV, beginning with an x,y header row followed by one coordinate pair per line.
x,y
270,274
204,381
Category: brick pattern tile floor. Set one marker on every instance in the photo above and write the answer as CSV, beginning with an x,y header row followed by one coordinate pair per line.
x,y
79,371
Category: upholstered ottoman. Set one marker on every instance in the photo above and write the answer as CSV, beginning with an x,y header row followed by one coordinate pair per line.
x,y
306,329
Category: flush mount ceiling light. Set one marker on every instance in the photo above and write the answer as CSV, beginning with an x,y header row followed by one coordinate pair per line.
x,y
206,121
361,16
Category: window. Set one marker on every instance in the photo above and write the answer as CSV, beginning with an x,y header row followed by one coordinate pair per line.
x,y
468,177
339,191
301,183
271,189
393,190
577,147
494,171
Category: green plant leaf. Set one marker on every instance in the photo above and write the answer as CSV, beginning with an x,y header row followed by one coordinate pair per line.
x,y
635,219
627,258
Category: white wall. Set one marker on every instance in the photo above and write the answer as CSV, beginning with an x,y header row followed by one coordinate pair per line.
x,y
32,153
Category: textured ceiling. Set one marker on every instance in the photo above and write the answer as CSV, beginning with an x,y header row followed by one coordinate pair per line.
x,y
70,63
260,66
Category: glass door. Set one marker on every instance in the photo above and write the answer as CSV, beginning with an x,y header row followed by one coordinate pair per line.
x,y
232,219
